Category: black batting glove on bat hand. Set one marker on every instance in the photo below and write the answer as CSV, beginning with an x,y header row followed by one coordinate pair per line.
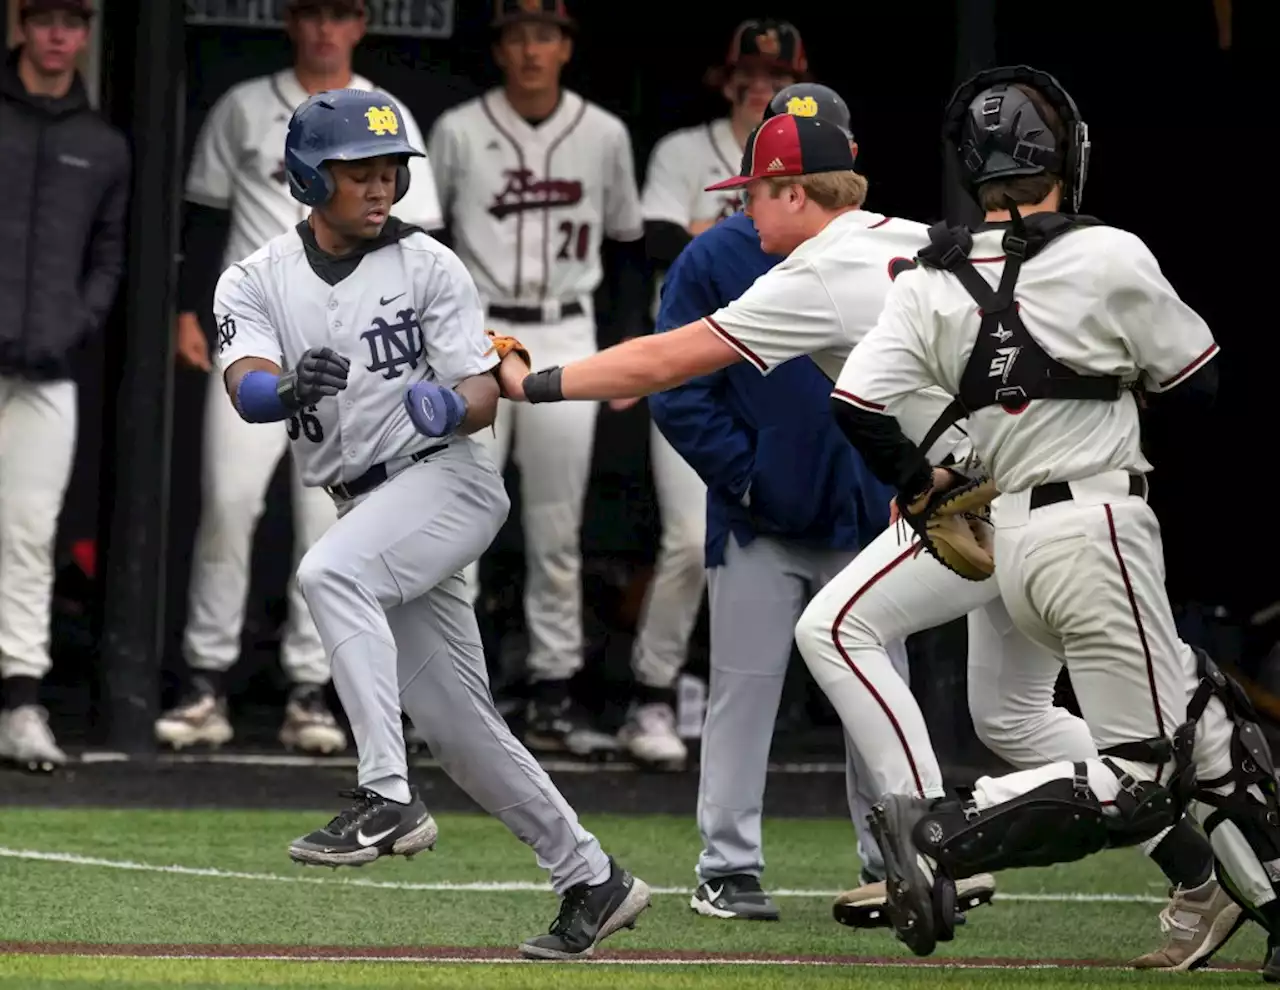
x,y
544,385
320,371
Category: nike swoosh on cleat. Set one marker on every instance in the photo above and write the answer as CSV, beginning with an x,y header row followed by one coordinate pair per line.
x,y
371,840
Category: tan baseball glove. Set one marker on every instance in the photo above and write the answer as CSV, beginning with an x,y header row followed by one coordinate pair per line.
x,y
954,525
506,345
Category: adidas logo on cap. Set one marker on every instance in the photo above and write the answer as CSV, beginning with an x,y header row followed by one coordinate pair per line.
x,y
776,165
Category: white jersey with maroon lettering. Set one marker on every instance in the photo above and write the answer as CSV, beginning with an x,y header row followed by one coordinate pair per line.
x,y
824,298
1121,319
529,205
680,168
238,164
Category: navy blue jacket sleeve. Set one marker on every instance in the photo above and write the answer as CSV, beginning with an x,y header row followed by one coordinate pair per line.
x,y
693,417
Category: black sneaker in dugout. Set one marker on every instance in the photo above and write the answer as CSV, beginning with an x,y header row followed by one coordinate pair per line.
x,y
738,895
371,828
560,726
590,914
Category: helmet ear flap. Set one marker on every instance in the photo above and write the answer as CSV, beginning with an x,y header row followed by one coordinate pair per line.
x,y
309,184
402,182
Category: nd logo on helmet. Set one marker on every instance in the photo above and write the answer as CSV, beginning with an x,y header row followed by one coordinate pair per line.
x,y
382,120
802,106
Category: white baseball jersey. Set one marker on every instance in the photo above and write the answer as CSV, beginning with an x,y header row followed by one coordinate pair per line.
x,y
1094,299
824,298
238,164
408,313
680,168
528,206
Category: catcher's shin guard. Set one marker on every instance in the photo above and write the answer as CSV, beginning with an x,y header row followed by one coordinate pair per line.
x,y
1058,822
1248,854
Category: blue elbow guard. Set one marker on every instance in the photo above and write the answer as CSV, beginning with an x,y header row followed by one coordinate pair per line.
x,y
257,399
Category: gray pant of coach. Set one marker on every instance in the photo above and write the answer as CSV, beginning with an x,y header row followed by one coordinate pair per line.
x,y
756,597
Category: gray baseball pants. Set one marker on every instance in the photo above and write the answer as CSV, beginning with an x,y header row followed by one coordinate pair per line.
x,y
756,597
385,587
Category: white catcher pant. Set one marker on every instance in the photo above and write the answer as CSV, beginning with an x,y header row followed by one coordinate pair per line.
x,y
37,451
239,461
674,596
1085,579
552,443
891,590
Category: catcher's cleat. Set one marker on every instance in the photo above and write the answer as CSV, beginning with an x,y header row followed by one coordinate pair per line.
x,y
1197,923
865,906
918,897
371,828
590,914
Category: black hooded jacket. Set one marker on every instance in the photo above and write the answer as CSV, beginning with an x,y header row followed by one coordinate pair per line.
x,y
64,176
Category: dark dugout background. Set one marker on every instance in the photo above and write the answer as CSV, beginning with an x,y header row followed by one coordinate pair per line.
x,y
1174,158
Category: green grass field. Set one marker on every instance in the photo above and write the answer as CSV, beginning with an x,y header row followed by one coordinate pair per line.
x,y
144,899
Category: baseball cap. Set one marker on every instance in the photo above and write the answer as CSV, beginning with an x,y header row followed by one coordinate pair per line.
x,y
777,42
513,11
788,145
83,8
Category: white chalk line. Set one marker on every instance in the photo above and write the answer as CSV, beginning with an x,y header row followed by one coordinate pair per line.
x,y
483,887
605,961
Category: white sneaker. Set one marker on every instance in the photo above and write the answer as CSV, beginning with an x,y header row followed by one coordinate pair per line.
x,y
650,737
25,738
309,725
201,717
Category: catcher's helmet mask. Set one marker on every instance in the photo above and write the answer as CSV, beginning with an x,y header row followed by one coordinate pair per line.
x,y
979,127
343,125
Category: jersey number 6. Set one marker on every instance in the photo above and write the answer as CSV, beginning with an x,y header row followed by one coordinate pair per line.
x,y
306,423
577,239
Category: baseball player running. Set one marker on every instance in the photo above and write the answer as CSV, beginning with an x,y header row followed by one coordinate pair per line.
x,y
366,335
821,301
238,199
764,56
533,178
1077,549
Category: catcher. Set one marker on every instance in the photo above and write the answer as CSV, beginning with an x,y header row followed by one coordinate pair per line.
x,y
821,301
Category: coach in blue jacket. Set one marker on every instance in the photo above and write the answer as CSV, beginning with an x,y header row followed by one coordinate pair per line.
x,y
789,503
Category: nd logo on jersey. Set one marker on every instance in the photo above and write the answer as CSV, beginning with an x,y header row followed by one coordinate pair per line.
x,y
382,120
802,106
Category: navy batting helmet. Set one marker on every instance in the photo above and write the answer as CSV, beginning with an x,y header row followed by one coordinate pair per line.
x,y
812,100
997,132
343,125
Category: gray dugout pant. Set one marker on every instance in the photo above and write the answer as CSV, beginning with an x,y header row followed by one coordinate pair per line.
x,y
385,587
756,597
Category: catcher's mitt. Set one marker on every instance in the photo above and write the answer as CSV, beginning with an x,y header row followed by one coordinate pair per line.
x,y
505,345
954,525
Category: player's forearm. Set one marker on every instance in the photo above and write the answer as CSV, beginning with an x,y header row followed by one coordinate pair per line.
x,y
630,370
481,394
888,454
252,387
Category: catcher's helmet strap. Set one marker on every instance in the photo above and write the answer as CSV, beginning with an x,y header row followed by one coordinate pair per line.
x,y
1008,367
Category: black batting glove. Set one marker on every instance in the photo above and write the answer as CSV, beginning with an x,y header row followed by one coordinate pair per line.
x,y
320,371
544,385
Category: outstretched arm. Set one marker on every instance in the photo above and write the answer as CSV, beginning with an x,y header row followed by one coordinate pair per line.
x,y
636,367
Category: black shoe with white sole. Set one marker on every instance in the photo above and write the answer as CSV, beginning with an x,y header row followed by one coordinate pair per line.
x,y
371,828
736,896
590,914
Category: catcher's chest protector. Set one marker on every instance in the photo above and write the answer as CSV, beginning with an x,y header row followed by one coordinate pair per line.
x,y
1008,367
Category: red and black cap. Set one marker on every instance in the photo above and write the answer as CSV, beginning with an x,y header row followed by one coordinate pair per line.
x,y
80,8
788,145
547,11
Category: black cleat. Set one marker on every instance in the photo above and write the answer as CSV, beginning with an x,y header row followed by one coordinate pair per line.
x,y
736,896
590,914
921,903
371,828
